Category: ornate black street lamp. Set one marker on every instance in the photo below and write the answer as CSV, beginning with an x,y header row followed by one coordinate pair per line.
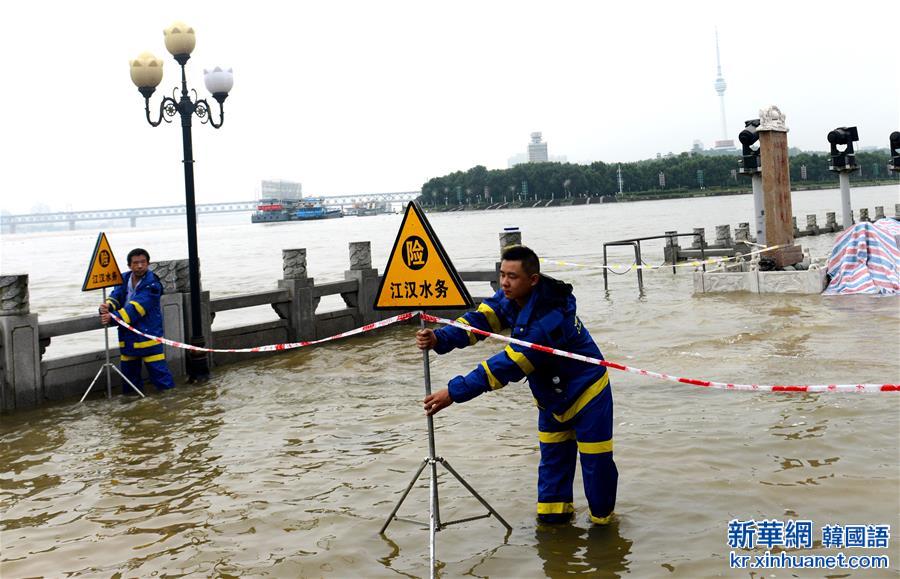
x,y
147,73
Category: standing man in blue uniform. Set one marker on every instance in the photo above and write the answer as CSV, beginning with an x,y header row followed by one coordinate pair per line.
x,y
136,302
574,399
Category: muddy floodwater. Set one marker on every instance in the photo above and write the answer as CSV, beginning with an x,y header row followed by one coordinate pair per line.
x,y
288,466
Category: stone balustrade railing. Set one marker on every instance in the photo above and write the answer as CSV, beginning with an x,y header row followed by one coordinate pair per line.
x,y
725,245
28,379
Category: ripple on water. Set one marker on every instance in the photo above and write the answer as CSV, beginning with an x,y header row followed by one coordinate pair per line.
x,y
289,465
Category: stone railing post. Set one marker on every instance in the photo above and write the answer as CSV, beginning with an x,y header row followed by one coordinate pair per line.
x,y
302,310
742,232
672,247
21,382
176,278
175,305
367,279
831,221
879,212
723,235
896,210
509,236
698,233
863,215
794,226
811,226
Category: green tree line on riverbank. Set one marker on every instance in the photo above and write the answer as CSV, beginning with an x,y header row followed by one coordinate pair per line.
x,y
671,175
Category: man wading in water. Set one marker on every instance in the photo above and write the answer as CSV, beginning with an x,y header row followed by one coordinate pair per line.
x,y
575,406
136,301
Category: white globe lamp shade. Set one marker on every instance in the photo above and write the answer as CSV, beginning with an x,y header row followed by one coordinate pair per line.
x,y
218,80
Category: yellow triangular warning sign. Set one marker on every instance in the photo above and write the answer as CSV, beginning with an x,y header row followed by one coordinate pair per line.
x,y
419,274
103,270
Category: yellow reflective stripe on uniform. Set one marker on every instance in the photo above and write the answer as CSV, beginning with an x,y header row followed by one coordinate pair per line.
x,y
146,344
112,302
602,520
154,358
555,508
124,315
586,396
491,316
520,360
472,338
595,447
125,358
550,437
138,307
492,380
121,344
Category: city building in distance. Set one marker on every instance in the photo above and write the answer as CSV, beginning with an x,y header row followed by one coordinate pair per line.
x,y
279,189
537,149
537,153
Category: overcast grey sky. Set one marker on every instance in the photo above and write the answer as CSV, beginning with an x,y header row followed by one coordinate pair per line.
x,y
353,97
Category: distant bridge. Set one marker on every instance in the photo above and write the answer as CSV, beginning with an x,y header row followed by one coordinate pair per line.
x,y
10,222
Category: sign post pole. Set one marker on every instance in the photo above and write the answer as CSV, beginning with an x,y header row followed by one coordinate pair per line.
x,y
106,352
420,275
434,519
109,365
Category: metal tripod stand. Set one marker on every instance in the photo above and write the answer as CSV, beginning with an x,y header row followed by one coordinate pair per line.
x,y
107,365
434,520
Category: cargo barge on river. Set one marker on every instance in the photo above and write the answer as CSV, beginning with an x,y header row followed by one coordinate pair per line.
x,y
275,210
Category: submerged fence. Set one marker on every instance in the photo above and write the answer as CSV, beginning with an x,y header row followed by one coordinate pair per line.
x,y
28,379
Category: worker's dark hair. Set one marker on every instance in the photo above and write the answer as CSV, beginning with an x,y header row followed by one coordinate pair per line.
x,y
530,262
138,251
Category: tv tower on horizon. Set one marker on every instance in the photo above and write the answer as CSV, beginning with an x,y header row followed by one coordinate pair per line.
x,y
724,143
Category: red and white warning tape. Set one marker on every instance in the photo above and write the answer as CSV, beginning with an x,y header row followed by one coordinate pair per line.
x,y
270,347
692,381
429,318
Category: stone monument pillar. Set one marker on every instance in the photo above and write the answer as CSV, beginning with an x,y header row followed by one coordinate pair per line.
x,y
776,184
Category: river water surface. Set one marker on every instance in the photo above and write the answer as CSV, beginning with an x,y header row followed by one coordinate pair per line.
x,y
288,466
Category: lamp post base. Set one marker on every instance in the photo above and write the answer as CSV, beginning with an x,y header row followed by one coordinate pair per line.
x,y
197,363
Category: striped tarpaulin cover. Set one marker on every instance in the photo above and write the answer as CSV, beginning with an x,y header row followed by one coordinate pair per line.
x,y
865,259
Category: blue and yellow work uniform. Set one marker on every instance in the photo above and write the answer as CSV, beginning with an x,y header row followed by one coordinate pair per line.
x,y
574,399
142,311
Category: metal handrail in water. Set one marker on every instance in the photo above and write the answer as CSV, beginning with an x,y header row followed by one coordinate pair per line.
x,y
636,243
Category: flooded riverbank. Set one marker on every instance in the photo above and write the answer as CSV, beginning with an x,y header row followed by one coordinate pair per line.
x,y
289,466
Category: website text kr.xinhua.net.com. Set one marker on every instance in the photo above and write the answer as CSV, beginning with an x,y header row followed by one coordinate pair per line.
x,y
799,534
784,560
